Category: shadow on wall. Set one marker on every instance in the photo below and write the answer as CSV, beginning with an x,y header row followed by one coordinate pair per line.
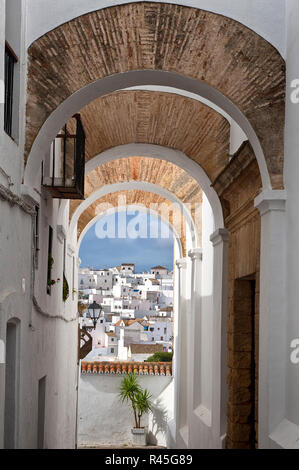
x,y
104,420
160,419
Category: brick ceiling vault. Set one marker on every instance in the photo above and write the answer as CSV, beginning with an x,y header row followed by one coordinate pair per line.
x,y
144,169
198,44
164,119
137,197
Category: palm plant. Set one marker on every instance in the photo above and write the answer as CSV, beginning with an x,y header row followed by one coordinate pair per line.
x,y
143,403
129,387
130,391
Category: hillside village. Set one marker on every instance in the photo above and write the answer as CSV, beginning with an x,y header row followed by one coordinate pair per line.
x,y
125,316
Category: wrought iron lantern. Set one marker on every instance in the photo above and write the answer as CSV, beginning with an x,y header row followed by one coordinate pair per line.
x,y
94,311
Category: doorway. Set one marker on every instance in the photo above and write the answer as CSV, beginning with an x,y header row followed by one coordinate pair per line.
x,y
243,366
11,384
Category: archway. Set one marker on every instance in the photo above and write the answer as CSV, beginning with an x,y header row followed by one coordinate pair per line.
x,y
173,71
160,384
260,118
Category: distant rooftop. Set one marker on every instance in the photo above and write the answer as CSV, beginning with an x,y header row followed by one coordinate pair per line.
x,y
160,267
140,348
129,322
169,308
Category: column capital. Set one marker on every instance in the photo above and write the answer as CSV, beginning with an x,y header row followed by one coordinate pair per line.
x,y
181,263
270,200
195,253
61,233
221,235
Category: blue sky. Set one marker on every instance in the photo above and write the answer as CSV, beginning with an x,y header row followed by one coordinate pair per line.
x,y
144,250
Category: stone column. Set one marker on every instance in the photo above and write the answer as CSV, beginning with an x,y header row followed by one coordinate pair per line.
x,y
290,427
220,241
272,315
193,323
180,356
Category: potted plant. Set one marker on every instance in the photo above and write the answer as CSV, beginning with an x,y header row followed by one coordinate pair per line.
x,y
141,403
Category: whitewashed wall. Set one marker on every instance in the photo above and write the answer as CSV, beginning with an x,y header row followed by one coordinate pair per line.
x,y
104,420
47,346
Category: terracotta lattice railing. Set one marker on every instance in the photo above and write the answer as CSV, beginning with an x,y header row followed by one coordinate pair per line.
x,y
136,368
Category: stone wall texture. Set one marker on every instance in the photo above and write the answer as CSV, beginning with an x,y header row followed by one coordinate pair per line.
x,y
242,183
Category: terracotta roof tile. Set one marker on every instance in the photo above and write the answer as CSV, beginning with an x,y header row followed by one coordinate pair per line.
x,y
136,368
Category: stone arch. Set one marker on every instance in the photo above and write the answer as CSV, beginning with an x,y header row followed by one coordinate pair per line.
x,y
174,45
137,193
144,170
177,158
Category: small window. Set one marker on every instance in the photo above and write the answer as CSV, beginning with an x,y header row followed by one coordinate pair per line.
x,y
165,329
161,338
112,350
10,61
112,339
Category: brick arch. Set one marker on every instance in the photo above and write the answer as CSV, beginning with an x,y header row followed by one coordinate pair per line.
x,y
134,197
145,169
216,50
164,119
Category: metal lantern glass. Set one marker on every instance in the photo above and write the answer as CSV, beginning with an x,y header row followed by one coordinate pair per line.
x,y
94,311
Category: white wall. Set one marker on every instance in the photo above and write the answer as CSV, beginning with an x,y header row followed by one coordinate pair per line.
x,y
103,419
48,346
206,324
287,430
237,137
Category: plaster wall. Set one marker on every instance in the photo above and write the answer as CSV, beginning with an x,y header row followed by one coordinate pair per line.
x,y
47,345
284,435
11,149
103,419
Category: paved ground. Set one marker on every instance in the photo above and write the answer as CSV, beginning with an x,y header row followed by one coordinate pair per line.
x,y
118,446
